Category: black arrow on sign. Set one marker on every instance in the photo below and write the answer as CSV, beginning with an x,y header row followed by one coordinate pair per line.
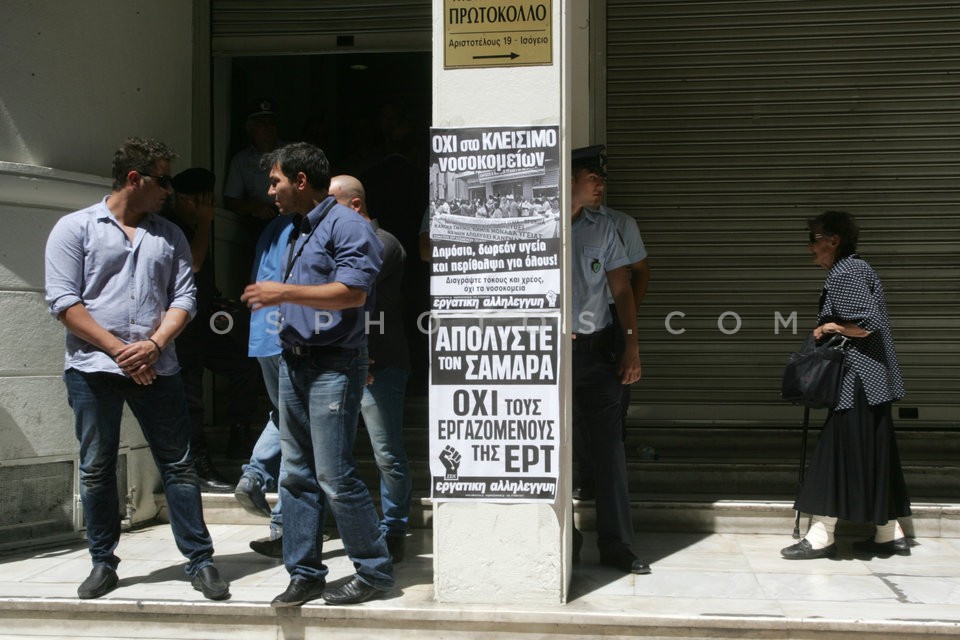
x,y
505,55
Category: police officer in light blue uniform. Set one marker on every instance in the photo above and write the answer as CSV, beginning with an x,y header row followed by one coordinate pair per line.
x,y
599,269
638,269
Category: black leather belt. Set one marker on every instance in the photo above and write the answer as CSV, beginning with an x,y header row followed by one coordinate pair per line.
x,y
597,341
313,351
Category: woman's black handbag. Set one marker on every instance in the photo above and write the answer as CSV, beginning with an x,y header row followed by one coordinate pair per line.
x,y
813,375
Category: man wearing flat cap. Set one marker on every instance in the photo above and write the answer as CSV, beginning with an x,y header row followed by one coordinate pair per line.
x,y
245,191
599,269
199,346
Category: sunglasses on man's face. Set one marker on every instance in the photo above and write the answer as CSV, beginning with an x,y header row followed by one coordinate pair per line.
x,y
164,182
813,237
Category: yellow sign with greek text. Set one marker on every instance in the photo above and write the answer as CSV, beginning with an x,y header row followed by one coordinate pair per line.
x,y
497,33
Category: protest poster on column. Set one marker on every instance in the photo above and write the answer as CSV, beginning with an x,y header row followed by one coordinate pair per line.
x,y
494,225
494,408
494,218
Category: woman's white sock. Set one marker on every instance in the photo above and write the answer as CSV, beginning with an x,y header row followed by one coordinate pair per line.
x,y
888,532
820,533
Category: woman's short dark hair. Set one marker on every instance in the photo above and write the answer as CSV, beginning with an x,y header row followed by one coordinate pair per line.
x,y
138,154
840,224
297,157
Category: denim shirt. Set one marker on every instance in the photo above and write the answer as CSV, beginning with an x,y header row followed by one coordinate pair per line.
x,y
338,247
270,259
126,287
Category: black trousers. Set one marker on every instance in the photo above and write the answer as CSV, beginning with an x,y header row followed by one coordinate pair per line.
x,y
199,348
598,441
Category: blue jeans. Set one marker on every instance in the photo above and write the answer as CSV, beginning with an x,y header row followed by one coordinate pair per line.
x,y
161,409
382,409
319,408
265,460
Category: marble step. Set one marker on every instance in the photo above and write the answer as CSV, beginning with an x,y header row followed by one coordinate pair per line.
x,y
172,620
652,512
702,586
711,478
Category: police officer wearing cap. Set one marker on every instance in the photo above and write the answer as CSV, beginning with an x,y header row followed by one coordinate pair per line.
x,y
599,266
639,272
245,191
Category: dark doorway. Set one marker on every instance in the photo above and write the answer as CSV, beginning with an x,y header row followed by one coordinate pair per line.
x,y
370,113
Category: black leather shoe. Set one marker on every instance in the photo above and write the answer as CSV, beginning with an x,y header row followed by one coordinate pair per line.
x,y
898,547
397,546
585,492
101,581
299,590
249,494
268,547
209,582
803,551
354,591
625,561
210,479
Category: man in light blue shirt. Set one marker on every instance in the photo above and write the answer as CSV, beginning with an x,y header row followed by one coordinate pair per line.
x,y
262,472
119,278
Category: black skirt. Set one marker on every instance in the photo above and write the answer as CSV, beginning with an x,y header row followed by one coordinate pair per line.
x,y
855,472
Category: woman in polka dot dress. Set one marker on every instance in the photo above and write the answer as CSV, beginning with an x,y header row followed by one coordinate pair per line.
x,y
855,471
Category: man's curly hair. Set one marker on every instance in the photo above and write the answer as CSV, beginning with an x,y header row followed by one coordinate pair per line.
x,y
138,154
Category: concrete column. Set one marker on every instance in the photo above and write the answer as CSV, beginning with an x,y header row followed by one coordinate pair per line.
x,y
484,551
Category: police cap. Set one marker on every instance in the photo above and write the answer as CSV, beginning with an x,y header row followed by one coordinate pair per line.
x,y
593,158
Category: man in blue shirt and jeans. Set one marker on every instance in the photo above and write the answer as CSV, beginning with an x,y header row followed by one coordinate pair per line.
x,y
118,276
262,472
324,309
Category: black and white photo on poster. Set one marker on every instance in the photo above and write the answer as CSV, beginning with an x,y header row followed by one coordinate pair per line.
x,y
494,408
494,218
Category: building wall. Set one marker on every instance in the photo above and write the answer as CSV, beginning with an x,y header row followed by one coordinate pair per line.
x,y
77,79
80,77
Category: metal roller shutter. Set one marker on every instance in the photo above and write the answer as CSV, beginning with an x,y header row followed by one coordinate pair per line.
x,y
246,27
728,124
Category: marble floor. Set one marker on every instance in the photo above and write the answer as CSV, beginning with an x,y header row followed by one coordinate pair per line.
x,y
696,577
